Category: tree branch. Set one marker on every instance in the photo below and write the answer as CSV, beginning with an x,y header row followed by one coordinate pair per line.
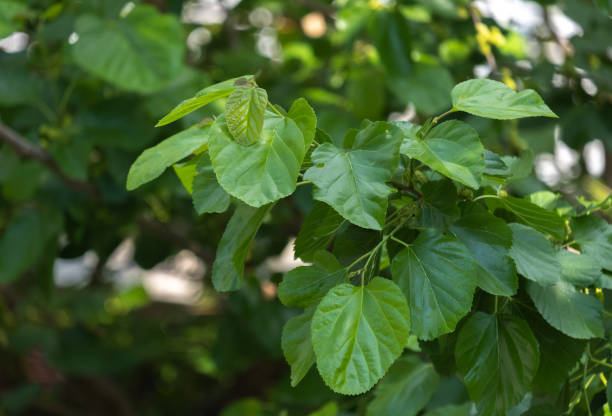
x,y
29,150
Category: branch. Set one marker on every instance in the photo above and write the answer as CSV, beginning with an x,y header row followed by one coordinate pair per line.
x,y
489,55
27,149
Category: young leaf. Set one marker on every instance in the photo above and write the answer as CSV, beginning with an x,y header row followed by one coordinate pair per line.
x,y
405,390
306,285
438,276
297,345
263,172
534,256
153,161
488,238
498,357
571,312
451,148
141,52
234,245
244,114
493,99
203,97
304,116
358,332
318,230
578,269
594,235
208,195
186,171
544,221
352,181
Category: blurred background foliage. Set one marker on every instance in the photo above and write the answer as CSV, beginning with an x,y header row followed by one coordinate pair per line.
x,y
105,304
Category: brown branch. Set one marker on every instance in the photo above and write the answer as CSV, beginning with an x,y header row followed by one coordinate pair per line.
x,y
27,149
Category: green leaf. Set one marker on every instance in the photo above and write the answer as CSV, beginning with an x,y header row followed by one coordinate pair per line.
x,y
439,208
544,221
570,311
208,195
353,180
493,99
405,390
297,345
578,269
306,285
203,97
147,48
451,148
358,332
494,164
228,267
304,116
594,235
393,43
317,231
329,409
534,256
427,88
452,410
244,114
438,276
488,238
186,172
498,357
263,172
153,161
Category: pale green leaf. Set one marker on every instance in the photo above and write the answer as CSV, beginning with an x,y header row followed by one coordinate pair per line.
x,y
353,180
153,161
228,267
451,148
405,390
304,116
438,276
493,99
594,235
306,285
208,195
186,171
141,52
263,172
358,332
297,345
488,238
534,256
579,269
317,231
498,357
244,114
570,311
203,97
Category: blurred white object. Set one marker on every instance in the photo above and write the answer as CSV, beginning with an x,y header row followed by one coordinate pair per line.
x,y
16,42
595,157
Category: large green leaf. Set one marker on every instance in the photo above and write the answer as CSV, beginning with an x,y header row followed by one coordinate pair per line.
x,y
543,220
353,180
439,208
306,285
203,97
570,311
493,99
297,345
304,116
579,269
244,114
153,161
358,332
534,256
453,149
263,172
207,194
488,238
317,231
405,390
498,357
594,235
228,267
438,276
140,52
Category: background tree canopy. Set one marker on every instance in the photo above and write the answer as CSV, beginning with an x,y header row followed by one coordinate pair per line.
x,y
106,298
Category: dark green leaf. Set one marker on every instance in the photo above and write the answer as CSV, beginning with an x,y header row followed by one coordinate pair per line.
x,y
208,195
534,256
439,208
544,221
438,276
297,345
594,235
494,164
317,231
498,357
358,332
579,269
